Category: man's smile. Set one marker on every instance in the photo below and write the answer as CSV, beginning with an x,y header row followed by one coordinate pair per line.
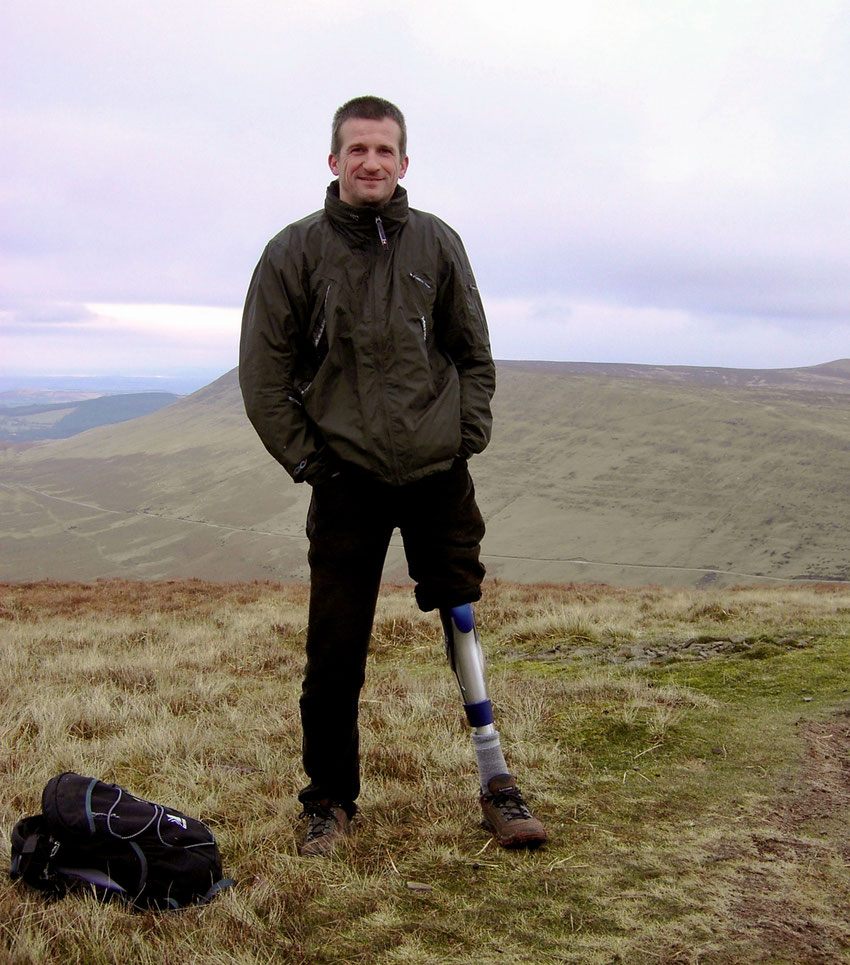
x,y
369,162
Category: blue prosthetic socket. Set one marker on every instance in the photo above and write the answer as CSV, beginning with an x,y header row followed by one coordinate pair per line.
x,y
466,657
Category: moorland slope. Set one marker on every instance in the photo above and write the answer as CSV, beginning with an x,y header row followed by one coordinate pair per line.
x,y
618,474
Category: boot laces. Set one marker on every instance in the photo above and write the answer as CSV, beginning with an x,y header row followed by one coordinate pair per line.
x,y
510,804
320,820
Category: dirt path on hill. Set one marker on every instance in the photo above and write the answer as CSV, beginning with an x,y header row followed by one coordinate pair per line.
x,y
805,829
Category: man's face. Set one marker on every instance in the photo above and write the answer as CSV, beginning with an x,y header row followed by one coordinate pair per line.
x,y
369,163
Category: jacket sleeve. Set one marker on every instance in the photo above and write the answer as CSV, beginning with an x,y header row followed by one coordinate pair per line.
x,y
467,342
272,367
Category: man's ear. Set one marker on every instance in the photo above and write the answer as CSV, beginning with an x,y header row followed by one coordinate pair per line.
x,y
332,164
403,168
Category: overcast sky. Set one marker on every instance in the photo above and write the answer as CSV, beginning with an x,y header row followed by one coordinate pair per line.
x,y
661,182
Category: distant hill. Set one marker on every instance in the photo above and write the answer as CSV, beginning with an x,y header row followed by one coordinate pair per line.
x,y
830,376
618,474
44,389
60,420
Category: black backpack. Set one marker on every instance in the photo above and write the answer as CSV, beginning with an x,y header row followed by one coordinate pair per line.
x,y
99,836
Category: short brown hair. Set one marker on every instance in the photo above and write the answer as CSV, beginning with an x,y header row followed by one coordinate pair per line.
x,y
371,109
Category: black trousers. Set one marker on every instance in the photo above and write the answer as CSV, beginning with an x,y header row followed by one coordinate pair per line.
x,y
349,525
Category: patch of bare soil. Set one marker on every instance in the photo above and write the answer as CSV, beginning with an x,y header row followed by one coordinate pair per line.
x,y
804,838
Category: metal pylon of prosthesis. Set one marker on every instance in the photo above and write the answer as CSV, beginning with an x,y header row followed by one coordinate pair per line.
x,y
463,648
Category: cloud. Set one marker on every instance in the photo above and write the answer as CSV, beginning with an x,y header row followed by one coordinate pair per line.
x,y
552,328
132,340
677,158
43,318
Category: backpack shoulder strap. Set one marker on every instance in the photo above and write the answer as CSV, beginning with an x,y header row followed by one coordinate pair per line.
x,y
216,888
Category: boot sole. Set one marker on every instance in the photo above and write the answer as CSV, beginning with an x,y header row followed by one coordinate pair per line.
x,y
519,839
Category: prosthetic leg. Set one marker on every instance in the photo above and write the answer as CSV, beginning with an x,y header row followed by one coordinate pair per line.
x,y
505,813
463,648
466,657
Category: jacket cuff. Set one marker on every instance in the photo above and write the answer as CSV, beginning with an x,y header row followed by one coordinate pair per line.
x,y
317,468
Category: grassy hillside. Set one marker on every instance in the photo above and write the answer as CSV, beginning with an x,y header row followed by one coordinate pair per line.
x,y
621,478
718,482
687,749
60,420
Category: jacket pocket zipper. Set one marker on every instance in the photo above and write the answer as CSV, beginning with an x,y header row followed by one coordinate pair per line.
x,y
421,280
320,328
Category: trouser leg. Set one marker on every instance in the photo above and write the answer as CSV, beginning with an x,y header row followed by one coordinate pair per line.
x,y
348,544
442,529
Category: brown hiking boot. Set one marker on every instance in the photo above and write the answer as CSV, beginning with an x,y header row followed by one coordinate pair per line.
x,y
507,817
327,825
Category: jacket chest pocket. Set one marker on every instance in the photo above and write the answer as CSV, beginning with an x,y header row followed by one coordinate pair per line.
x,y
327,292
417,349
419,295
317,330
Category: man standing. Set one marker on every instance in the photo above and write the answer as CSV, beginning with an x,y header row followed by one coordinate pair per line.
x,y
365,367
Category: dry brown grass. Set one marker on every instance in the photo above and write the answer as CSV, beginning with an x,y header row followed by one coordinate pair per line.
x,y
685,748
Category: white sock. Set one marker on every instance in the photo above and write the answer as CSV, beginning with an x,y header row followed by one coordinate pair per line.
x,y
491,760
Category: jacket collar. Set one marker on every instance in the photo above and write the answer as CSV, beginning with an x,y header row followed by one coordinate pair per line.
x,y
360,222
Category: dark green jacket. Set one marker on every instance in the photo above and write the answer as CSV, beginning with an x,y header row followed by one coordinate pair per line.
x,y
364,342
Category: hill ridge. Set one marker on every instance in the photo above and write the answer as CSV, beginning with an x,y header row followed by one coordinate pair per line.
x,y
835,374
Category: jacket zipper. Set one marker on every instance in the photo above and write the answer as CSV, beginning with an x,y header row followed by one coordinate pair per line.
x,y
377,342
422,318
320,328
381,234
